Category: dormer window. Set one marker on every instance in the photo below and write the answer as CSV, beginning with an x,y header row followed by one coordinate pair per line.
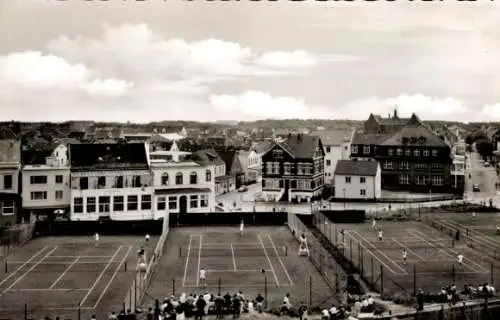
x,y
399,151
426,153
354,149
434,152
366,149
407,152
416,153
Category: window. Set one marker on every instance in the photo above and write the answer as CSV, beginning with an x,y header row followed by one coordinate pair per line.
x,y
362,192
420,166
84,183
328,149
437,180
269,167
404,165
204,201
407,152
118,203
416,153
399,151
362,179
404,179
136,181
193,178
145,202
426,153
208,175
422,180
172,203
8,207
78,205
59,194
164,179
437,166
132,203
91,204
366,149
161,203
104,203
59,178
39,195
7,181
354,149
38,179
178,178
434,152
347,179
101,182
388,165
288,168
390,152
276,167
119,182
193,201
328,162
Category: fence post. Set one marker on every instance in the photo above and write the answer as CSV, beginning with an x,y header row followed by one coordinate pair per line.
x,y
173,286
25,311
491,273
361,260
310,292
219,284
381,280
350,249
79,313
135,294
373,271
265,290
453,272
414,279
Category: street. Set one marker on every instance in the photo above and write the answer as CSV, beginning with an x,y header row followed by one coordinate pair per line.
x,y
484,177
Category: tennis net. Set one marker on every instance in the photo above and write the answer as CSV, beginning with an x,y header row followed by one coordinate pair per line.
x,y
401,244
279,251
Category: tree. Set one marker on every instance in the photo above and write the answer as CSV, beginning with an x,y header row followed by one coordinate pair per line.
x,y
484,148
469,139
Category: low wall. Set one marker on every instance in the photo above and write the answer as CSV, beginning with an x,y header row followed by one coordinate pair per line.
x,y
228,218
108,227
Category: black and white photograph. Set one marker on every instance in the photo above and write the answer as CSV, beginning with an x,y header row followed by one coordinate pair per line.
x,y
250,160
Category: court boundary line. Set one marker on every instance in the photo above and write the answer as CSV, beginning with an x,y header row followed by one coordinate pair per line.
x,y
48,289
199,261
187,261
110,281
239,285
404,272
54,309
21,277
99,277
456,252
234,258
36,254
279,259
64,273
81,256
64,262
218,245
268,260
239,270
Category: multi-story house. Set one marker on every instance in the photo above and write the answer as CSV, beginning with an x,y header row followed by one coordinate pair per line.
x,y
337,145
110,181
412,157
10,168
223,183
357,180
458,170
46,190
187,185
234,167
294,170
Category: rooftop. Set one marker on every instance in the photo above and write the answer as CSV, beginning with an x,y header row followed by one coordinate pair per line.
x,y
300,145
333,137
356,168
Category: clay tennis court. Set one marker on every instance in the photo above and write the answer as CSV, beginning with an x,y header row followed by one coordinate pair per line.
x,y
68,276
235,262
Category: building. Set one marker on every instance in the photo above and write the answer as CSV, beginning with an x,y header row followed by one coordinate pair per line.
x,y
110,181
458,170
234,167
412,157
260,149
187,185
46,190
294,170
357,180
223,183
10,168
337,145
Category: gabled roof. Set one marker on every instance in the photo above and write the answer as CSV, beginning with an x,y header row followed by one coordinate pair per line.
x,y
356,168
262,147
423,137
300,146
333,137
207,157
116,156
229,156
369,138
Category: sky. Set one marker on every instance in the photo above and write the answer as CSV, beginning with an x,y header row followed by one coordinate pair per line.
x,y
153,60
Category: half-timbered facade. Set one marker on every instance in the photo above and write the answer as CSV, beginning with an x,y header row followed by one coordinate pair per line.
x,y
293,170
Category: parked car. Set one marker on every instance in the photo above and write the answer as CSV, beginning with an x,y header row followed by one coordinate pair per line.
x,y
243,189
475,188
486,164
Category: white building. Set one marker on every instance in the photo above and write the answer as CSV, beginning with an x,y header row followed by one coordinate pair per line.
x,y
357,180
184,186
10,168
46,187
337,145
110,181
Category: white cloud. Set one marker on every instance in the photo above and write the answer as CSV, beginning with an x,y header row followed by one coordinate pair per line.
x,y
282,59
490,112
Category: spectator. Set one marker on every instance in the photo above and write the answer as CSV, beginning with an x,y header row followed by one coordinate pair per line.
x,y
200,308
150,315
302,310
420,300
236,307
259,299
228,301
325,315
219,307
207,297
333,312
112,316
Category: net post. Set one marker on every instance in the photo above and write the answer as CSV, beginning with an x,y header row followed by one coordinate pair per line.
x,y
265,290
125,266
79,313
180,252
6,267
286,251
173,286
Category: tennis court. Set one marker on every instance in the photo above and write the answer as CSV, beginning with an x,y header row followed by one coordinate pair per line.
x,y
431,256
68,276
262,260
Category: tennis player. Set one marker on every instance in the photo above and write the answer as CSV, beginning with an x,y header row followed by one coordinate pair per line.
x,y
380,235
203,277
374,224
242,227
147,238
96,237
404,256
460,258
303,249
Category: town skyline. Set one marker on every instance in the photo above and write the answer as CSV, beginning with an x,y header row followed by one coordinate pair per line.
x,y
119,62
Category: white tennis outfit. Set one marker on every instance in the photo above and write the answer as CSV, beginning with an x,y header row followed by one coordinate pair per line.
x,y
203,274
96,237
242,226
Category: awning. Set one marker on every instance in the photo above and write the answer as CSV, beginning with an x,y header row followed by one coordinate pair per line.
x,y
182,191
